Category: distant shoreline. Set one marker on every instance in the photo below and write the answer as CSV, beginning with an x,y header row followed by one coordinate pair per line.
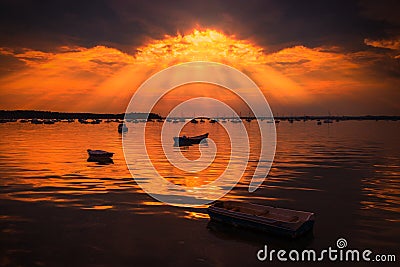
x,y
37,114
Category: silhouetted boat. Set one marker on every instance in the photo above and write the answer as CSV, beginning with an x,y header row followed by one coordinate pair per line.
x,y
49,122
194,121
36,121
99,154
122,128
188,141
83,121
279,221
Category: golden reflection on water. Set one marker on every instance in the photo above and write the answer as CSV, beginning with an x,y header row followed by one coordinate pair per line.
x,y
49,162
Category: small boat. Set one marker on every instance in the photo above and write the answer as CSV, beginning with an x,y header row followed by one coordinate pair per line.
x,y
122,128
36,121
194,121
100,154
188,141
83,121
278,221
48,122
95,121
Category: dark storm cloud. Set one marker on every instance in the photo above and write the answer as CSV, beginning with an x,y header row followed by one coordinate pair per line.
x,y
44,25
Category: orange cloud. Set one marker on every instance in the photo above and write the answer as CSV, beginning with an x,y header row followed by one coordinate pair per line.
x,y
102,79
389,44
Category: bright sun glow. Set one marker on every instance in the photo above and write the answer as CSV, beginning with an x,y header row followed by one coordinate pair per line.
x,y
207,45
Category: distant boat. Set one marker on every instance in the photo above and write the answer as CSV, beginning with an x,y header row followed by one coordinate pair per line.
x,y
122,128
188,141
100,156
83,121
49,122
36,121
95,121
99,153
194,121
279,221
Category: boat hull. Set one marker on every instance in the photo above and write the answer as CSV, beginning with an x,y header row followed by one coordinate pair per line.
x,y
188,141
254,222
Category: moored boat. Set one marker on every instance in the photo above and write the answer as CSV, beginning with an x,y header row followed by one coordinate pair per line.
x,y
278,221
99,154
188,141
122,128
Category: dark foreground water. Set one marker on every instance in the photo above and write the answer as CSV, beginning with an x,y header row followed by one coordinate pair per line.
x,y
57,209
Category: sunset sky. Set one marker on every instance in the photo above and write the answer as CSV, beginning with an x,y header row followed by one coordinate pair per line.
x,y
318,58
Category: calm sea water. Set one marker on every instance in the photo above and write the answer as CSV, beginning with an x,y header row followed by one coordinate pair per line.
x,y
346,172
